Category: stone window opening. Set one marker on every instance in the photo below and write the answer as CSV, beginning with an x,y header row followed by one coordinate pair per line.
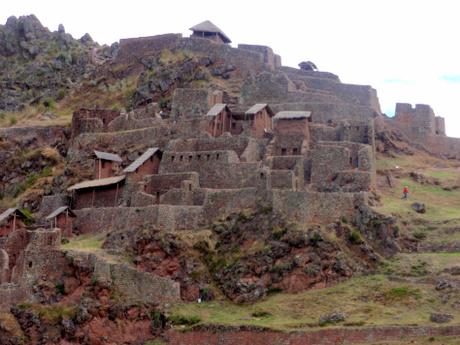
x,y
158,197
295,151
198,157
262,175
172,158
217,156
208,157
283,152
30,264
181,158
233,125
351,161
190,158
190,187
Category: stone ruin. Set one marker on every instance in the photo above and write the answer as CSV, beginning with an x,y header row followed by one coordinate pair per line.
x,y
297,141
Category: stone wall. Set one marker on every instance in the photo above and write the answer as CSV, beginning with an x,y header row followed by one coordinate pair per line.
x,y
133,49
216,169
327,336
10,294
247,149
270,59
92,120
418,121
166,217
191,102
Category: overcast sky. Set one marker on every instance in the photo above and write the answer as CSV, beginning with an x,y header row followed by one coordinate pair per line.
x,y
408,50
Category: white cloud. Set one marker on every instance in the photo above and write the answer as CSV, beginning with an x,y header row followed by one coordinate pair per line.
x,y
364,42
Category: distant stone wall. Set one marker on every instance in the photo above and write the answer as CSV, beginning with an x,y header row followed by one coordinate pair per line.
x,y
161,183
326,111
133,49
270,58
166,217
418,121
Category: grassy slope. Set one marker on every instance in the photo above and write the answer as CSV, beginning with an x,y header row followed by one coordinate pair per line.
x,y
403,294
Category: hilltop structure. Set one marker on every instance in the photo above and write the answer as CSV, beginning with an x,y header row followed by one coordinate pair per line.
x,y
297,142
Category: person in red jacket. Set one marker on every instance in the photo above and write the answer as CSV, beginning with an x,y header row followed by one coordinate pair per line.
x,y
405,192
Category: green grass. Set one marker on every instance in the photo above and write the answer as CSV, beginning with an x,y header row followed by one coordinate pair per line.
x,y
371,300
440,204
87,243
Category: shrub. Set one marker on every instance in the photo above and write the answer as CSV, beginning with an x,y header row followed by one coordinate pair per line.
x,y
49,103
354,237
181,320
261,313
60,288
419,235
13,120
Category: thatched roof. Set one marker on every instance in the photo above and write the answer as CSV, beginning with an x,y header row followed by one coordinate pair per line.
x,y
141,160
207,26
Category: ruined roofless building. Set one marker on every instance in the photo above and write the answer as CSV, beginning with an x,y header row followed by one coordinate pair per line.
x,y
209,31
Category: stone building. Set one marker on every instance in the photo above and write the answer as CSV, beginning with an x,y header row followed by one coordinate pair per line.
x,y
291,133
105,164
209,31
11,220
62,218
147,164
105,192
219,120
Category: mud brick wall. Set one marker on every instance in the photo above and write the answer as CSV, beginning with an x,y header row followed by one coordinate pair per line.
x,y
132,49
166,217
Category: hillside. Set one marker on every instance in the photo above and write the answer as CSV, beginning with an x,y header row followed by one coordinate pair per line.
x,y
176,190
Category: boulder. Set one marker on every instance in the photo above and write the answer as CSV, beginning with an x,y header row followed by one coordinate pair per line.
x,y
440,318
334,317
418,207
